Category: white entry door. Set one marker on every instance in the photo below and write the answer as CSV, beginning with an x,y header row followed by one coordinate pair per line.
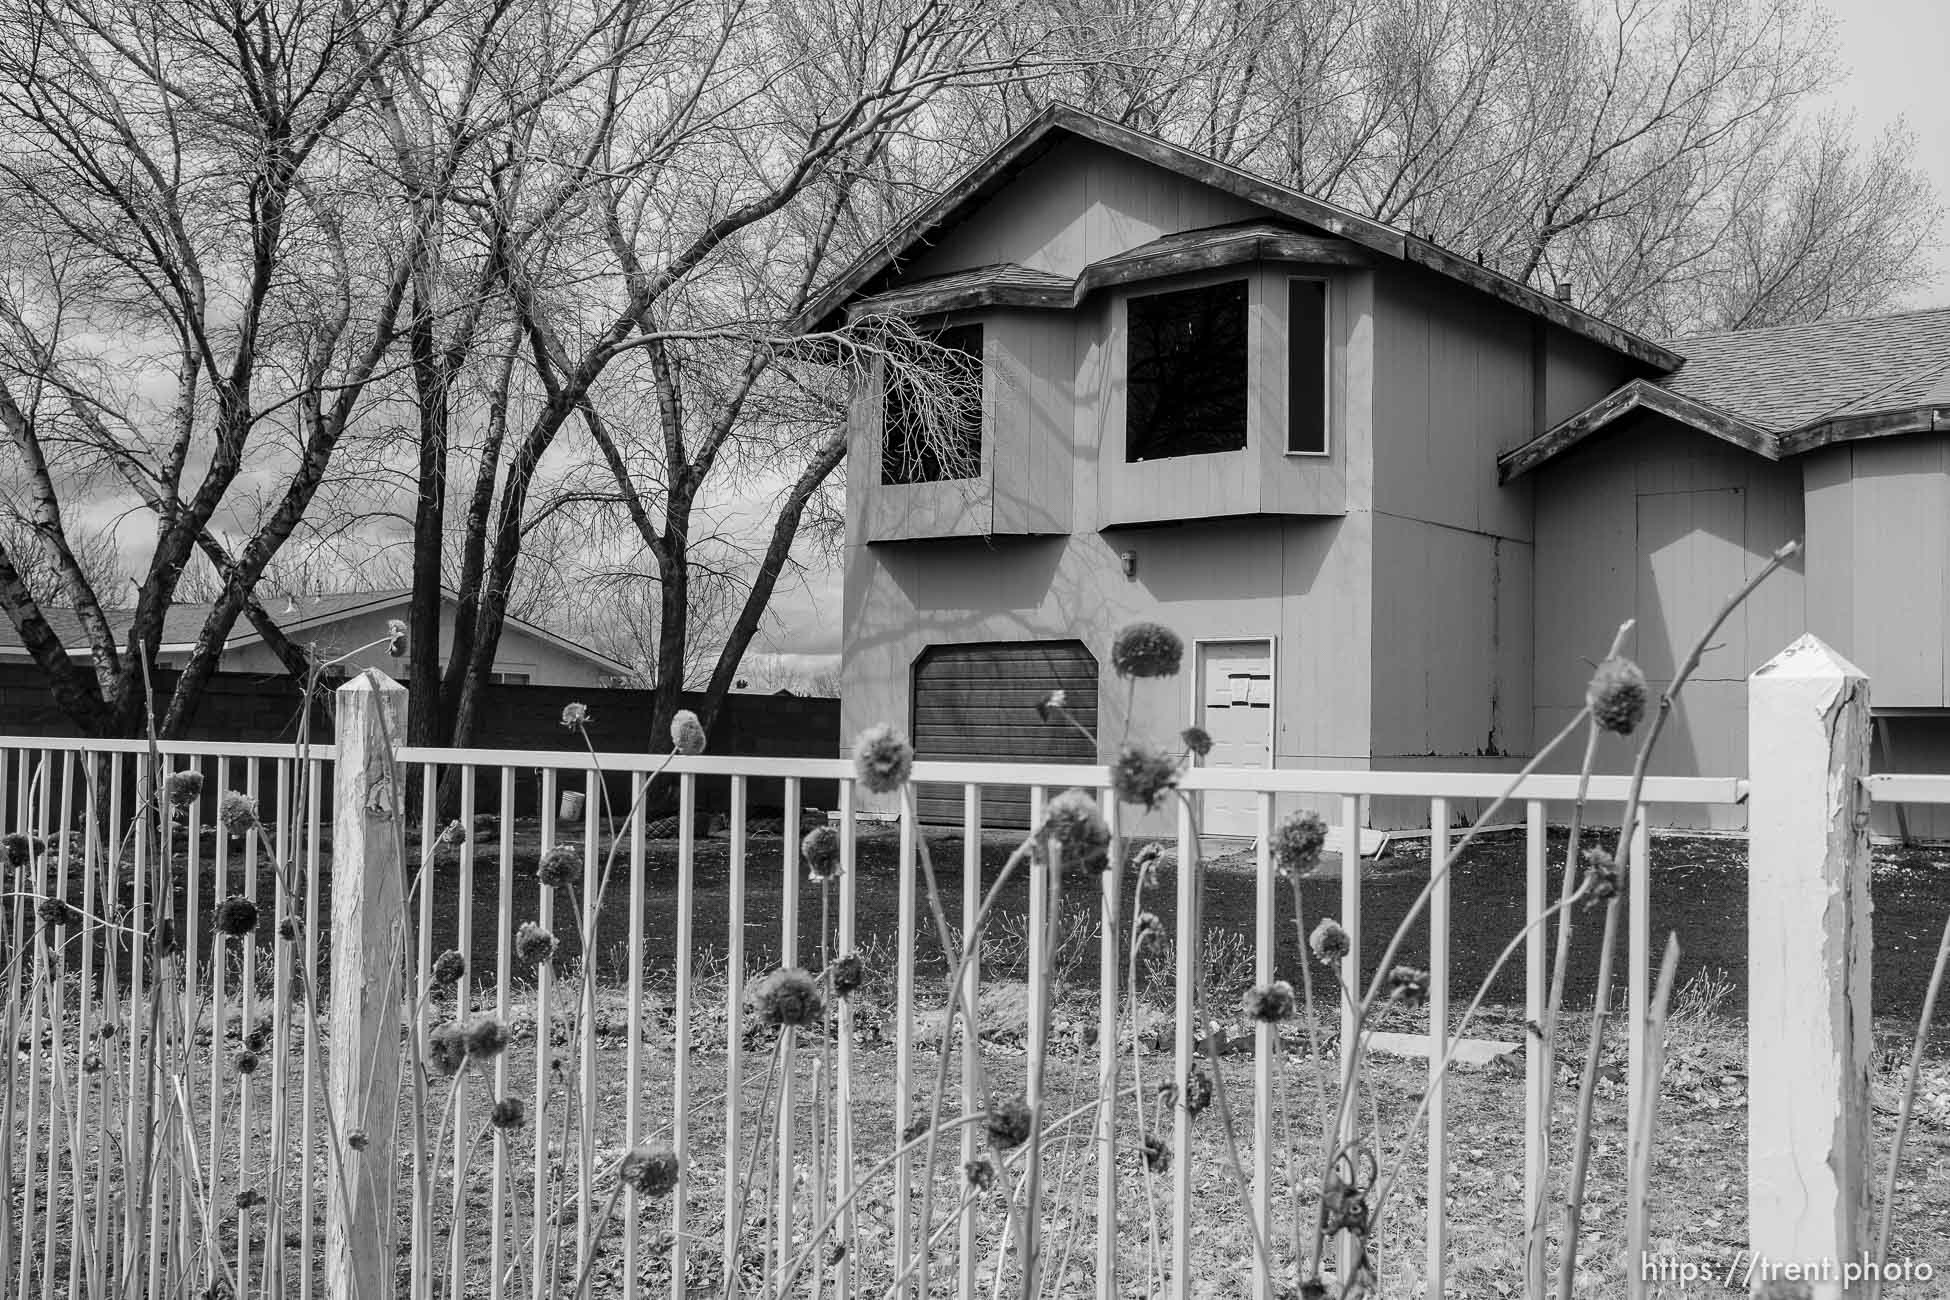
x,y
1235,706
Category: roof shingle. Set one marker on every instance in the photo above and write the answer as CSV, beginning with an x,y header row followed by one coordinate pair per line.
x,y
1792,375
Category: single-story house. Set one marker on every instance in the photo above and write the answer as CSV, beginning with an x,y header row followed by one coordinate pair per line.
x,y
527,655
1395,502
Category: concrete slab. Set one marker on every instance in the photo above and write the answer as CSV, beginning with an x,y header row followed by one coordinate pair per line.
x,y
1470,1051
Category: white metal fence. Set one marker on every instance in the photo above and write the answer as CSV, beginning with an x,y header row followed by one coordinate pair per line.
x,y
245,1203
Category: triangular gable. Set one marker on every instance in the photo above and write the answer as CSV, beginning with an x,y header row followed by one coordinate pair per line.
x,y
1638,395
881,266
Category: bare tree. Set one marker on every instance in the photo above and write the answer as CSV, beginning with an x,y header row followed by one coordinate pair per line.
x,y
693,193
200,289
1663,157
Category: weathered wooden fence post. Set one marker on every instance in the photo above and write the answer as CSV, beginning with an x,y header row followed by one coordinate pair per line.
x,y
1808,1029
367,904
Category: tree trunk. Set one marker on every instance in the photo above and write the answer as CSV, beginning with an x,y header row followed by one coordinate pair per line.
x,y
424,723
777,550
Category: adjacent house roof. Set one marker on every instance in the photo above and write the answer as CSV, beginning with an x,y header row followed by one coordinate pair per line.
x,y
1784,390
296,615
1795,379
879,269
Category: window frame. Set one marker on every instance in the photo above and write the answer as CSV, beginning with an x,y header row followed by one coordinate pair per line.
x,y
1246,278
983,440
1326,449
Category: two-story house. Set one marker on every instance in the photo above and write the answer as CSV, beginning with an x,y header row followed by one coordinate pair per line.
x,y
1394,502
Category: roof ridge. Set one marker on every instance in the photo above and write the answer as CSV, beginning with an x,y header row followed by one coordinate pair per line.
x,y
1861,405
1754,331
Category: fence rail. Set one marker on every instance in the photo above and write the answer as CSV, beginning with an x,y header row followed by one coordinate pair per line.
x,y
612,1053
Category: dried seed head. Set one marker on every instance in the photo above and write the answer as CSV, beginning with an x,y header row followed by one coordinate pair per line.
x,y
447,1048
533,944
980,1173
1197,740
1142,774
1617,696
1072,819
238,812
19,849
575,716
1146,650
356,1139
1410,984
56,912
1297,842
182,788
1148,930
1052,704
1009,1123
820,851
1269,1003
883,759
788,996
1601,874
448,967
1329,941
1198,1091
247,1062
561,865
848,975
486,1037
686,733
236,916
1157,1153
509,1112
651,1170
453,835
288,929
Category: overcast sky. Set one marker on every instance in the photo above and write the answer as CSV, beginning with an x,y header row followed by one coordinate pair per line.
x,y
1895,52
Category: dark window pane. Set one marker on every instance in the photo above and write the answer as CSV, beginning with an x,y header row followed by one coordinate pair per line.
x,y
1306,366
1186,388
910,451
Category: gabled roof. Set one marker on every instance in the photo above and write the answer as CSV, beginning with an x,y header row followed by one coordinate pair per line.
x,y
1812,384
1786,389
295,615
1638,395
878,270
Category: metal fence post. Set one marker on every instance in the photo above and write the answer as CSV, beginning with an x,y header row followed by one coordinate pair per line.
x,y
363,1083
1809,1034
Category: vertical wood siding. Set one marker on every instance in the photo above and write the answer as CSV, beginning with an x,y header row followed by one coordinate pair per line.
x,y
1032,423
1078,204
1660,524
1455,388
1879,563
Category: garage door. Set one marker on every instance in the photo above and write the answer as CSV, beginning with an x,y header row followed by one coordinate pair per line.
x,y
978,703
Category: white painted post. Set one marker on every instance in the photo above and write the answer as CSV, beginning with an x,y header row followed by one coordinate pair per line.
x,y
363,1085
1808,1028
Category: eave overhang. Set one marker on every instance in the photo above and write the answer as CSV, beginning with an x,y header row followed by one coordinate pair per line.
x,y
1644,395
1009,285
1638,395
